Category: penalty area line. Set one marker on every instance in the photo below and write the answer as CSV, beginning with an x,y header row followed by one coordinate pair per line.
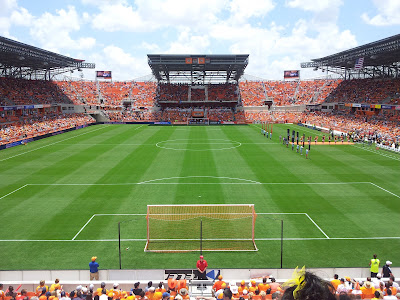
x,y
20,188
317,226
83,227
256,239
379,187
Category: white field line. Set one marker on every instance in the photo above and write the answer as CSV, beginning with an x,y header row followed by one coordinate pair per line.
x,y
256,239
379,187
126,144
82,228
245,181
317,226
377,152
52,144
14,191
293,213
214,177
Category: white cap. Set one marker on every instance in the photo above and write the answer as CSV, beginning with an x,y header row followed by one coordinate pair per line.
x,y
115,285
79,287
388,262
84,289
234,289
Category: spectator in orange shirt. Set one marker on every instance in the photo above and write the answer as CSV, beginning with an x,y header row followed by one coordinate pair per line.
x,y
218,284
335,282
253,286
242,287
368,290
55,286
264,286
40,287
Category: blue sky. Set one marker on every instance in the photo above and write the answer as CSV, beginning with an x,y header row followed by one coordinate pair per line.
x,y
278,35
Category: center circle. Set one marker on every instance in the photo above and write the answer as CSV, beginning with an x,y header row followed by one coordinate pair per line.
x,y
198,144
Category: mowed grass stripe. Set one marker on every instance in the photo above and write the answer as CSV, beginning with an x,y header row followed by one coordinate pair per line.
x,y
61,212
199,163
19,151
263,163
117,199
132,198
60,166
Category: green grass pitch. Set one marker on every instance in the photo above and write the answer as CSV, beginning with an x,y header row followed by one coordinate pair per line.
x,y
61,198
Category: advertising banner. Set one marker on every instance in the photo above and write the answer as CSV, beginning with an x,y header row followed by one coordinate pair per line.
x,y
291,74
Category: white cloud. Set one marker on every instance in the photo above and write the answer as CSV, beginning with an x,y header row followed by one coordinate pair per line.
x,y
314,5
152,47
189,43
53,31
152,15
6,7
274,48
21,16
123,65
243,10
388,13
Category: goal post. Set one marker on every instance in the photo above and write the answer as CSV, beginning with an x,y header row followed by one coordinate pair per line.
x,y
213,227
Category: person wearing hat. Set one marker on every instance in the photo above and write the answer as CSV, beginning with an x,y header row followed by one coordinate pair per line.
x,y
102,288
201,266
218,284
368,290
386,271
165,296
374,264
94,269
242,287
184,293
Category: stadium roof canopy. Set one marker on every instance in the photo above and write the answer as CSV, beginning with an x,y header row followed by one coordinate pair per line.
x,y
381,59
24,61
197,69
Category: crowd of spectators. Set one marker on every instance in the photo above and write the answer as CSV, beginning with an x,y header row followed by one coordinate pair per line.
x,y
377,125
303,285
372,91
39,125
222,92
283,93
133,116
113,93
197,94
173,92
218,114
175,115
258,116
144,94
252,93
17,91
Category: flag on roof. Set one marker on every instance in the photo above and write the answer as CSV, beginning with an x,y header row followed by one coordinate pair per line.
x,y
359,63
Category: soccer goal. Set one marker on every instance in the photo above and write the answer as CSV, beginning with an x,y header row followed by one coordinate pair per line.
x,y
181,228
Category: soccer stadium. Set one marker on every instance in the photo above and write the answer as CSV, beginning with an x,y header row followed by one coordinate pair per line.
x,y
143,176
